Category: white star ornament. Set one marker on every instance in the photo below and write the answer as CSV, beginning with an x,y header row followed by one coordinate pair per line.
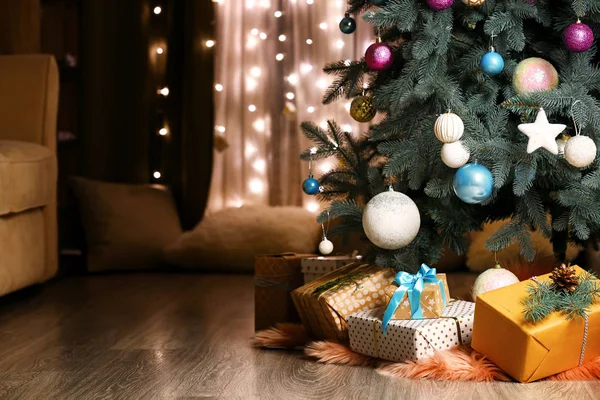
x,y
542,133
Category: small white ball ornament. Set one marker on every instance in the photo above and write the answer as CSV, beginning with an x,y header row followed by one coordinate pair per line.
x,y
325,247
455,155
391,220
449,128
492,279
580,151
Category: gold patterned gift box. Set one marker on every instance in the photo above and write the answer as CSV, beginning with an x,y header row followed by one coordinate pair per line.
x,y
325,303
412,339
275,276
432,300
315,267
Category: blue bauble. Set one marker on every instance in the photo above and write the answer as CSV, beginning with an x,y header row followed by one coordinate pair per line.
x,y
378,3
310,186
473,183
492,63
347,25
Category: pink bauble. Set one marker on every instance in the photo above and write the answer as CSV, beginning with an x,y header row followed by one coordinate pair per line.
x,y
578,37
439,5
534,75
492,279
379,56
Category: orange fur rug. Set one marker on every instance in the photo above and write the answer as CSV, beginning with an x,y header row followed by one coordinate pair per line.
x,y
461,364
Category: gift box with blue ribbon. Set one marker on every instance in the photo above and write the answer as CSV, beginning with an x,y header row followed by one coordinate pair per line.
x,y
411,339
416,296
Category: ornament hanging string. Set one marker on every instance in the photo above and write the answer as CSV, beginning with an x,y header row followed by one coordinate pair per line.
x,y
325,230
577,126
492,36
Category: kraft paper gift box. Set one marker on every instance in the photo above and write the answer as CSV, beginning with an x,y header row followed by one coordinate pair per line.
x,y
315,267
275,276
411,339
531,351
432,300
325,303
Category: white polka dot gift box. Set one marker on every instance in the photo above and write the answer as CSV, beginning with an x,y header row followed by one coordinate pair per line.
x,y
325,303
411,339
316,267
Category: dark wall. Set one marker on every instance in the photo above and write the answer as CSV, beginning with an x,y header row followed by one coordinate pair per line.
x,y
121,109
19,26
117,97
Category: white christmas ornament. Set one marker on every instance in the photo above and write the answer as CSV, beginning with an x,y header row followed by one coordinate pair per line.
x,y
325,247
492,279
449,128
580,151
391,220
455,155
542,133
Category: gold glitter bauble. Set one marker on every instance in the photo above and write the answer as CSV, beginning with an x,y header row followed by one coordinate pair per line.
x,y
473,3
362,109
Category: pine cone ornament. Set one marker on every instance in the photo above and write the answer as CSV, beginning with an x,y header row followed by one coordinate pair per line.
x,y
565,278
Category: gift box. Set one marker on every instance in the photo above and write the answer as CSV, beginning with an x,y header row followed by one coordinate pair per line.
x,y
316,267
531,351
432,299
411,339
325,303
275,276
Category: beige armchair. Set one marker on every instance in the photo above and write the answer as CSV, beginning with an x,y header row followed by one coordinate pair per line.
x,y
29,87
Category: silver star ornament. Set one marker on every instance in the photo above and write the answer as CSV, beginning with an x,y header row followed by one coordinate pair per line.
x,y
542,133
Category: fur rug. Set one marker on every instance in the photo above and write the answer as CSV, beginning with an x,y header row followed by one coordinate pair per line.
x,y
461,364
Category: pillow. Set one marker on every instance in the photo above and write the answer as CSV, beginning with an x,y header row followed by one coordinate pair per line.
x,y
230,239
126,226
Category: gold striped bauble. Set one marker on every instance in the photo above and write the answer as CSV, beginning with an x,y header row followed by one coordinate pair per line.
x,y
473,3
449,128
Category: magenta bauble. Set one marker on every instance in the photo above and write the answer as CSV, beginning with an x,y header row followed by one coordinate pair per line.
x,y
578,37
439,5
534,75
379,56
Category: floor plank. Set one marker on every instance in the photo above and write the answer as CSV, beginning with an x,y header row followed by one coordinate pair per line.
x,y
180,336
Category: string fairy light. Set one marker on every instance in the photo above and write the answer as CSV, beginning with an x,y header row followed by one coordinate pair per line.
x,y
302,84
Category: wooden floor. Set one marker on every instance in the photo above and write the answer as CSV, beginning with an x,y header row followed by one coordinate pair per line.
x,y
159,336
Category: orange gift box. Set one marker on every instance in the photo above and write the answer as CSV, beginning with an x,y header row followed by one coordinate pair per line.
x,y
275,276
432,301
531,351
325,303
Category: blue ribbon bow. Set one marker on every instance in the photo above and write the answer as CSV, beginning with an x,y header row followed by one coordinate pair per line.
x,y
414,285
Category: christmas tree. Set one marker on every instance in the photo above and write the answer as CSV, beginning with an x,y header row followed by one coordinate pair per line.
x,y
466,90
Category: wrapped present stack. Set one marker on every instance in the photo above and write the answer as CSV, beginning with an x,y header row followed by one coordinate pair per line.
x,y
325,303
315,267
542,326
411,339
418,320
275,276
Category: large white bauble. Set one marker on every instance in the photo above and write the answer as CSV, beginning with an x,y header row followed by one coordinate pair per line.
x,y
492,279
391,220
455,155
325,247
580,151
449,128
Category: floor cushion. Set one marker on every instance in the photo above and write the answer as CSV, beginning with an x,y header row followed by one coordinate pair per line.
x,y
230,239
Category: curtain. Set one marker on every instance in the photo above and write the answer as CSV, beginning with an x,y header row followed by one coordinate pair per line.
x,y
268,79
